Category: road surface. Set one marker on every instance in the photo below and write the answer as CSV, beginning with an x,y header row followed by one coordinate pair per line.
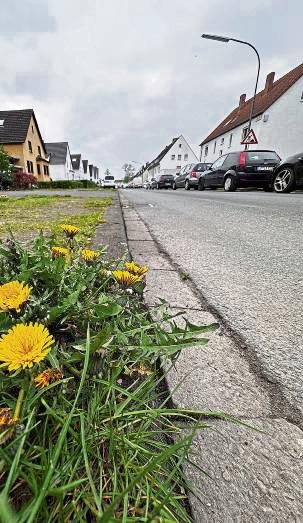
x,y
243,251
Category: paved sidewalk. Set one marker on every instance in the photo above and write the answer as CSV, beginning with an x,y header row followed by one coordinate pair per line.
x,y
254,475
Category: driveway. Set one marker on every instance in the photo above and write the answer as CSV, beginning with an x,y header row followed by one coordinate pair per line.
x,y
243,251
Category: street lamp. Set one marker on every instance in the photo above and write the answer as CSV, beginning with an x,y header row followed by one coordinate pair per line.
x,y
227,39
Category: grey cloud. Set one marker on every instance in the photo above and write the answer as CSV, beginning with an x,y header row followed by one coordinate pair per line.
x,y
124,76
20,16
34,83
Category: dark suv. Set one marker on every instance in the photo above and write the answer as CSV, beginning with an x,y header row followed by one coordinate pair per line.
x,y
241,169
163,181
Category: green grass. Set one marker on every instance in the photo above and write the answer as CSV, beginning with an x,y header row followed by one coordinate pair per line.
x,y
28,215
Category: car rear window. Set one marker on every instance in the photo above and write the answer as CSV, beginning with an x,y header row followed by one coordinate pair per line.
x,y
254,157
202,167
167,177
109,178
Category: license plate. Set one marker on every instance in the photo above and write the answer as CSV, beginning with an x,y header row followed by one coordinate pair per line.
x,y
167,183
265,168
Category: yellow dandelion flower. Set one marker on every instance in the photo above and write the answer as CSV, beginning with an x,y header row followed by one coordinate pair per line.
x,y
89,255
6,419
59,251
142,370
7,424
133,268
24,345
125,278
70,230
47,377
13,295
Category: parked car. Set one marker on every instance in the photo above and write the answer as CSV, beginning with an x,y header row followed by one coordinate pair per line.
x,y
193,176
289,174
148,184
250,168
179,180
163,181
109,181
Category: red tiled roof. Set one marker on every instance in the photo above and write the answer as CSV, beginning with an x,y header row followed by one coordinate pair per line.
x,y
264,100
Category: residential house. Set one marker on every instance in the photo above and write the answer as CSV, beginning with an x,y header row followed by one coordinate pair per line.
x,y
60,161
277,120
91,171
85,169
172,158
21,139
77,166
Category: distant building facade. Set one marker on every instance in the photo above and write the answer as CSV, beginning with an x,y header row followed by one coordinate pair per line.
x,y
171,159
60,161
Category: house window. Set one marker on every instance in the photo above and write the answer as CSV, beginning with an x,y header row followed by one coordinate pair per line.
x,y
230,139
244,132
30,146
39,150
33,130
38,169
220,152
30,167
173,156
215,145
1,123
185,157
45,169
301,101
222,141
179,157
206,151
180,145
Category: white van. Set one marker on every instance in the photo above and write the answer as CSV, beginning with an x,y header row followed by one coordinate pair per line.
x,y
109,181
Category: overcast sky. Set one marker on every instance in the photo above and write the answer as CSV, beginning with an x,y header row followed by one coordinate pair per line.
x,y
119,78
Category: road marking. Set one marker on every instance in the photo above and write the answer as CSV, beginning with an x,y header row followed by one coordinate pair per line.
x,y
151,205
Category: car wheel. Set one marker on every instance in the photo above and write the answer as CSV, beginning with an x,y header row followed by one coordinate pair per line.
x,y
174,187
284,181
201,185
229,184
187,186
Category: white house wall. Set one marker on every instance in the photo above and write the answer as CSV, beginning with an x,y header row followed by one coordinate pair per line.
x,y
59,173
177,157
279,128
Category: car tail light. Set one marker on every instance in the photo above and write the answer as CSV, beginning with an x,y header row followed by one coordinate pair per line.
x,y
242,158
194,174
161,179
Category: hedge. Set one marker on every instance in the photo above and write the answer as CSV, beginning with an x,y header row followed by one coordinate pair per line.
x,y
67,184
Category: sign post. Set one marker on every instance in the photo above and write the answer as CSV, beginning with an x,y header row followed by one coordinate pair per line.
x,y
250,138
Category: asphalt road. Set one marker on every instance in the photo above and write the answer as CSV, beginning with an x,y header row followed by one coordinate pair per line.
x,y
243,251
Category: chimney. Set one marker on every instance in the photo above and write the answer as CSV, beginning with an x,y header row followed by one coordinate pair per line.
x,y
269,82
242,100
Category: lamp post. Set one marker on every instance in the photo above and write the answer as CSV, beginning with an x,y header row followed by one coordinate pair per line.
x,y
226,39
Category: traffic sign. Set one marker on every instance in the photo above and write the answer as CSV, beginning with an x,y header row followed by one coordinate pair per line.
x,y
250,138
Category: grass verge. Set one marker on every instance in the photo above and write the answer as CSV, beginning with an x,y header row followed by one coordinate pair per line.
x,y
84,426
27,215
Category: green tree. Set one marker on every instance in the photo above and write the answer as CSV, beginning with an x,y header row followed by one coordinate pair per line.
x,y
129,170
6,169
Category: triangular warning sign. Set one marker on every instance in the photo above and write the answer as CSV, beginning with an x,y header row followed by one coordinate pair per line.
x,y
250,138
